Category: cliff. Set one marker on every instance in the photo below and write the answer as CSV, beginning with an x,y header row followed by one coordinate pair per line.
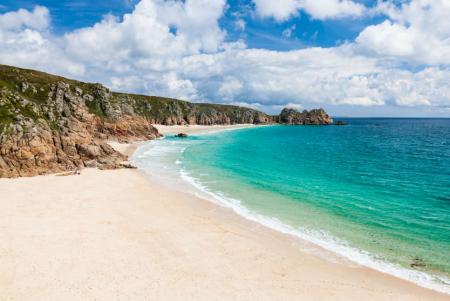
x,y
50,124
46,125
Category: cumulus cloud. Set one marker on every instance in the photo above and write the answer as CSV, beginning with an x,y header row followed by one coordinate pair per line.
x,y
417,31
294,106
282,10
38,19
144,37
178,49
25,41
230,88
332,9
279,10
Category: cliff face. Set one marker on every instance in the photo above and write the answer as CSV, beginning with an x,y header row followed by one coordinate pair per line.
x,y
50,124
313,117
168,111
46,126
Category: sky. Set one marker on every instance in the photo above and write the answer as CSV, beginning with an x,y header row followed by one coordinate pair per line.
x,y
351,57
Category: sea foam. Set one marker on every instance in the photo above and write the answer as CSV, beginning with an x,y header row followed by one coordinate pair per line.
x,y
321,238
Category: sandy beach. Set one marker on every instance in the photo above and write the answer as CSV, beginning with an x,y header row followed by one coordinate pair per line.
x,y
187,129
119,235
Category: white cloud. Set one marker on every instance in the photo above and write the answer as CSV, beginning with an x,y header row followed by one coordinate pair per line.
x,y
279,10
294,106
361,101
180,88
25,41
426,87
38,19
417,32
144,37
230,88
332,9
283,10
177,49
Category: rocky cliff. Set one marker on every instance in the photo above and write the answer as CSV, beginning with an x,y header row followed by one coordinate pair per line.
x,y
46,126
294,117
50,124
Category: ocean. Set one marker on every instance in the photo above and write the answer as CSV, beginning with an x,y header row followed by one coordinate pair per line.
x,y
376,191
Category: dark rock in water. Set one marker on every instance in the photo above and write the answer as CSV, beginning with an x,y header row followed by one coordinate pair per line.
x,y
340,122
417,263
313,117
181,135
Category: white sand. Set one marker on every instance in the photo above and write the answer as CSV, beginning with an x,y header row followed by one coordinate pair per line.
x,y
175,129
118,235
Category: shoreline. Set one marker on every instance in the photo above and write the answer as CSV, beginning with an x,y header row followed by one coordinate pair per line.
x,y
120,234
339,252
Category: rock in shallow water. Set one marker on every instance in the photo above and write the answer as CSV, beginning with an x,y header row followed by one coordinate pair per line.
x,y
340,122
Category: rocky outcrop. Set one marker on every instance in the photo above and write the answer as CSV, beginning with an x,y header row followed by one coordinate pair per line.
x,y
47,127
313,117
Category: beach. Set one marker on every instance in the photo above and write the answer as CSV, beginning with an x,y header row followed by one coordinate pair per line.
x,y
188,129
121,235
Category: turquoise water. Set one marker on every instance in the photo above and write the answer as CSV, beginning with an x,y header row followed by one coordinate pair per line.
x,y
376,191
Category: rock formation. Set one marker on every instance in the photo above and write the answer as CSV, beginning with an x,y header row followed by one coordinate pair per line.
x,y
46,126
313,117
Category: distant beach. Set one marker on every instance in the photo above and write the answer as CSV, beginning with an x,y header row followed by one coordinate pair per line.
x,y
119,234
188,129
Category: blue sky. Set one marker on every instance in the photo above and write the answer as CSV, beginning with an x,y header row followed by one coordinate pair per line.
x,y
259,33
352,57
72,14
268,33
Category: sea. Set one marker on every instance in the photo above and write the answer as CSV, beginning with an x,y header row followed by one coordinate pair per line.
x,y
376,191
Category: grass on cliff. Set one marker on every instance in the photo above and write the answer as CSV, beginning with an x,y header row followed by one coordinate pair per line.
x,y
151,107
162,107
5,116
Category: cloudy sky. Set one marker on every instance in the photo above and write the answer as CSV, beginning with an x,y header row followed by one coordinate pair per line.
x,y
352,57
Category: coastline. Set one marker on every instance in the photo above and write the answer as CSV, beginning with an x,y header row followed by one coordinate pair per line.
x,y
119,234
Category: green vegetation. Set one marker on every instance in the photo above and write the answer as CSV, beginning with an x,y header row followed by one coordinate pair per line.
x,y
26,93
6,117
94,108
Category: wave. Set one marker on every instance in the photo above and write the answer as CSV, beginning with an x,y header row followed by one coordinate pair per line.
x,y
322,239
